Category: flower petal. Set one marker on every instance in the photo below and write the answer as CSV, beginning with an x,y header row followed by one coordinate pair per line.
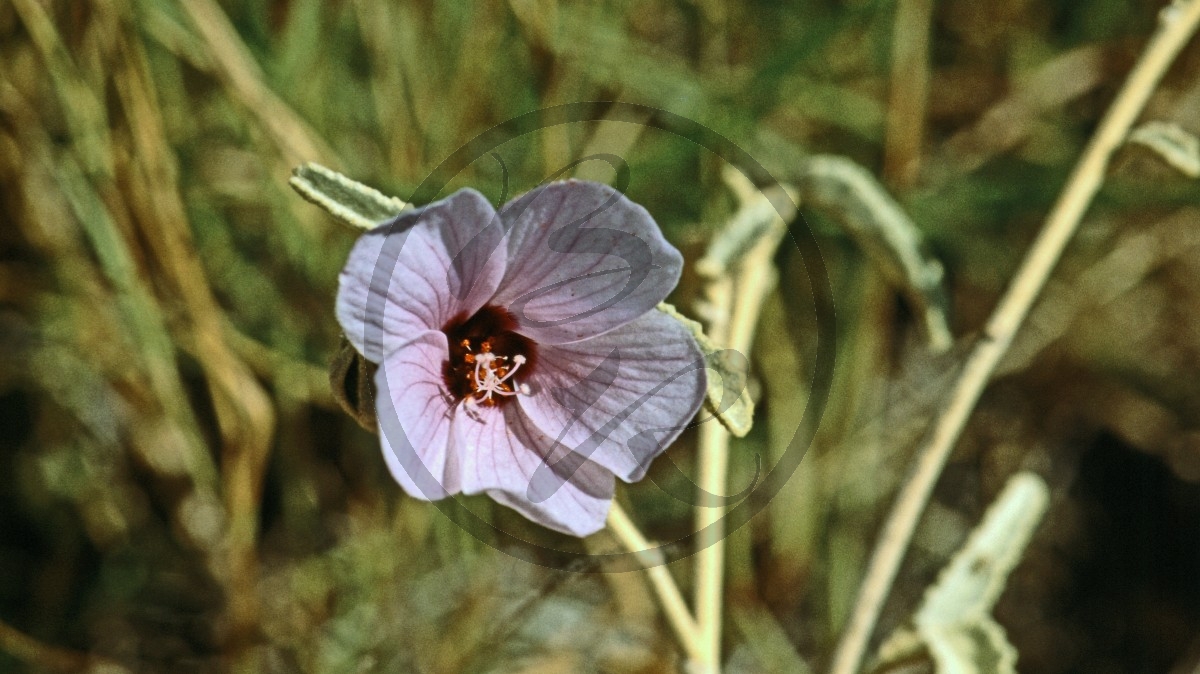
x,y
622,398
419,271
415,414
582,260
506,457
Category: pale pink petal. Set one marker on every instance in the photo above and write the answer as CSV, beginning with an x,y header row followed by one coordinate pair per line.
x,y
417,272
506,457
414,418
622,398
582,260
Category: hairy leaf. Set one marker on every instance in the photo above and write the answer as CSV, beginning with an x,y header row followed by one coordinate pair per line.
x,y
351,202
954,626
855,200
728,397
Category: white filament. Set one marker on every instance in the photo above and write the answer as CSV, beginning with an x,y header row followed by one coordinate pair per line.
x,y
487,381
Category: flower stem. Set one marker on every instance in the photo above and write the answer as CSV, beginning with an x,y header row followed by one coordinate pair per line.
x,y
1178,22
669,596
711,479
734,302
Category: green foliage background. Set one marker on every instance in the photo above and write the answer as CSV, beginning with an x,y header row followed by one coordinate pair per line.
x,y
181,493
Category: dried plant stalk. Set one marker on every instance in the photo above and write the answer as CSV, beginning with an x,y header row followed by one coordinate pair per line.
x,y
1178,23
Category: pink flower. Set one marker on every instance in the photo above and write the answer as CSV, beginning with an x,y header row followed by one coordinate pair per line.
x,y
520,352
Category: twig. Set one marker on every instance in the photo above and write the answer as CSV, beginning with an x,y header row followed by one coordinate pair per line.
x,y
669,596
1178,22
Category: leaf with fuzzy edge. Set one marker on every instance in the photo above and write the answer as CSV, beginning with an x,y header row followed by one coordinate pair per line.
x,y
970,585
974,648
954,625
855,200
728,396
353,203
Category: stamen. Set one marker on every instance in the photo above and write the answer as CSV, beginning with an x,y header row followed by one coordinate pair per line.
x,y
491,376
485,357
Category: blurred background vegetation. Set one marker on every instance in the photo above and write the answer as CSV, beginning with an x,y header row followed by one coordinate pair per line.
x,y
180,492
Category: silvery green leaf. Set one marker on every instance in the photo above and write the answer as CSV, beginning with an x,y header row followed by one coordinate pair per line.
x,y
855,200
954,626
902,645
970,585
762,213
728,396
976,648
1176,146
351,202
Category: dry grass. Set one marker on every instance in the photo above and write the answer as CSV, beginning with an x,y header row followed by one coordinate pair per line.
x,y
183,494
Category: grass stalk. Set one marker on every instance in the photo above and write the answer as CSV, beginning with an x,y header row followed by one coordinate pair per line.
x,y
909,92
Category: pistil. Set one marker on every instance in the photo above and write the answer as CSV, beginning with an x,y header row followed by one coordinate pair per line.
x,y
485,357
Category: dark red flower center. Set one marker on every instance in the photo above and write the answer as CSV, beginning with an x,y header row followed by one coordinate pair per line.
x,y
488,361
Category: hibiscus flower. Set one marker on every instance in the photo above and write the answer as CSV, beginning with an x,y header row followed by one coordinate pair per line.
x,y
520,353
